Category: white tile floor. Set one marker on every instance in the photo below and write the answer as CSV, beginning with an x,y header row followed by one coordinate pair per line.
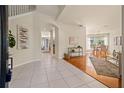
x,y
51,73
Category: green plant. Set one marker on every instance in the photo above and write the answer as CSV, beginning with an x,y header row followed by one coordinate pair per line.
x,y
72,50
78,46
12,41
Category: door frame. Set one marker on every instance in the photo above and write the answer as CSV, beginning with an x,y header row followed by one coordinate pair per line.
x,y
3,45
122,61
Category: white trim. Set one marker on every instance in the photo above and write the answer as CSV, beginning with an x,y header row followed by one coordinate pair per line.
x,y
20,15
122,59
34,60
60,57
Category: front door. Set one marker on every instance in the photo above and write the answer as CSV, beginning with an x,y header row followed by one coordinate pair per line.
x,y
3,45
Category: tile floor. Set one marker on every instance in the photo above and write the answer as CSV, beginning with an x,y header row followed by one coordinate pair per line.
x,y
51,73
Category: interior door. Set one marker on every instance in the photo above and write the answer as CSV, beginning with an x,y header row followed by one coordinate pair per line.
x,y
3,45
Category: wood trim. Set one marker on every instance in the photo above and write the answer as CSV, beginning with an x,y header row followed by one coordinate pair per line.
x,y
122,60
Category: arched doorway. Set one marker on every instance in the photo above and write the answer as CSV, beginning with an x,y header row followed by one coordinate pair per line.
x,y
49,39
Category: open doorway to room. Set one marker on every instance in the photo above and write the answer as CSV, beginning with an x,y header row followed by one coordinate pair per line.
x,y
97,40
45,42
49,40
102,60
103,51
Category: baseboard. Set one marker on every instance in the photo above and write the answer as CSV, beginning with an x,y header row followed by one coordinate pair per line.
x,y
34,60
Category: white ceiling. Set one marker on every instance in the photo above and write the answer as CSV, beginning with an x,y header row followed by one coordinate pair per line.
x,y
50,10
93,17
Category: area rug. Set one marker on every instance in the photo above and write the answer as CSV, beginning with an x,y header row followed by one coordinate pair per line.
x,y
105,68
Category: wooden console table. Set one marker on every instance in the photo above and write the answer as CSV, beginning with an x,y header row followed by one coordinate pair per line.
x,y
75,51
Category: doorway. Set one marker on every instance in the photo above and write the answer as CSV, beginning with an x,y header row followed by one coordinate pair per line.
x,y
45,42
49,40
97,40
99,47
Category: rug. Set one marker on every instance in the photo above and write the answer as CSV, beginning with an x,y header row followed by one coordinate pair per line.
x,y
105,68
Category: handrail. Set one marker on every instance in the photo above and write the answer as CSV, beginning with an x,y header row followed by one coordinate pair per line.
x,y
20,9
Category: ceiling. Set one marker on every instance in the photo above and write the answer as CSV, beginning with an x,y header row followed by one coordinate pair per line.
x,y
50,10
93,17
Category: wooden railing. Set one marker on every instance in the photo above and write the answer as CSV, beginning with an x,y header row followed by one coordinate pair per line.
x,y
20,9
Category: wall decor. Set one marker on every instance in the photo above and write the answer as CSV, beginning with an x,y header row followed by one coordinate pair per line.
x,y
71,40
22,37
118,40
114,40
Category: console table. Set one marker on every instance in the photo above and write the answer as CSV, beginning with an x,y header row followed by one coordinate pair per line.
x,y
75,51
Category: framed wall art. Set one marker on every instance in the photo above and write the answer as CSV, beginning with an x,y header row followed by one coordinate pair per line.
x,y
118,40
22,37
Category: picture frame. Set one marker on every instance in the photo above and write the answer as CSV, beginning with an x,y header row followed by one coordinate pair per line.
x,y
22,37
71,40
118,40
115,41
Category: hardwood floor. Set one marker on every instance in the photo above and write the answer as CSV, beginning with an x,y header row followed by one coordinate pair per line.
x,y
85,65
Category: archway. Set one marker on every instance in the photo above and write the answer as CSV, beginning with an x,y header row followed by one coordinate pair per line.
x,y
49,39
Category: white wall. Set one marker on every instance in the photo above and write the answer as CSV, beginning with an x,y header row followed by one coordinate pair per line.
x,y
36,22
57,42
65,31
22,56
37,37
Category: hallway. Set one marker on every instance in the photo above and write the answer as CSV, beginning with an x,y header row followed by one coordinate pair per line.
x,y
50,72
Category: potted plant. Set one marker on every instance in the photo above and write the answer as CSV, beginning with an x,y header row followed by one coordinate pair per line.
x,y
72,50
11,38
11,42
79,46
